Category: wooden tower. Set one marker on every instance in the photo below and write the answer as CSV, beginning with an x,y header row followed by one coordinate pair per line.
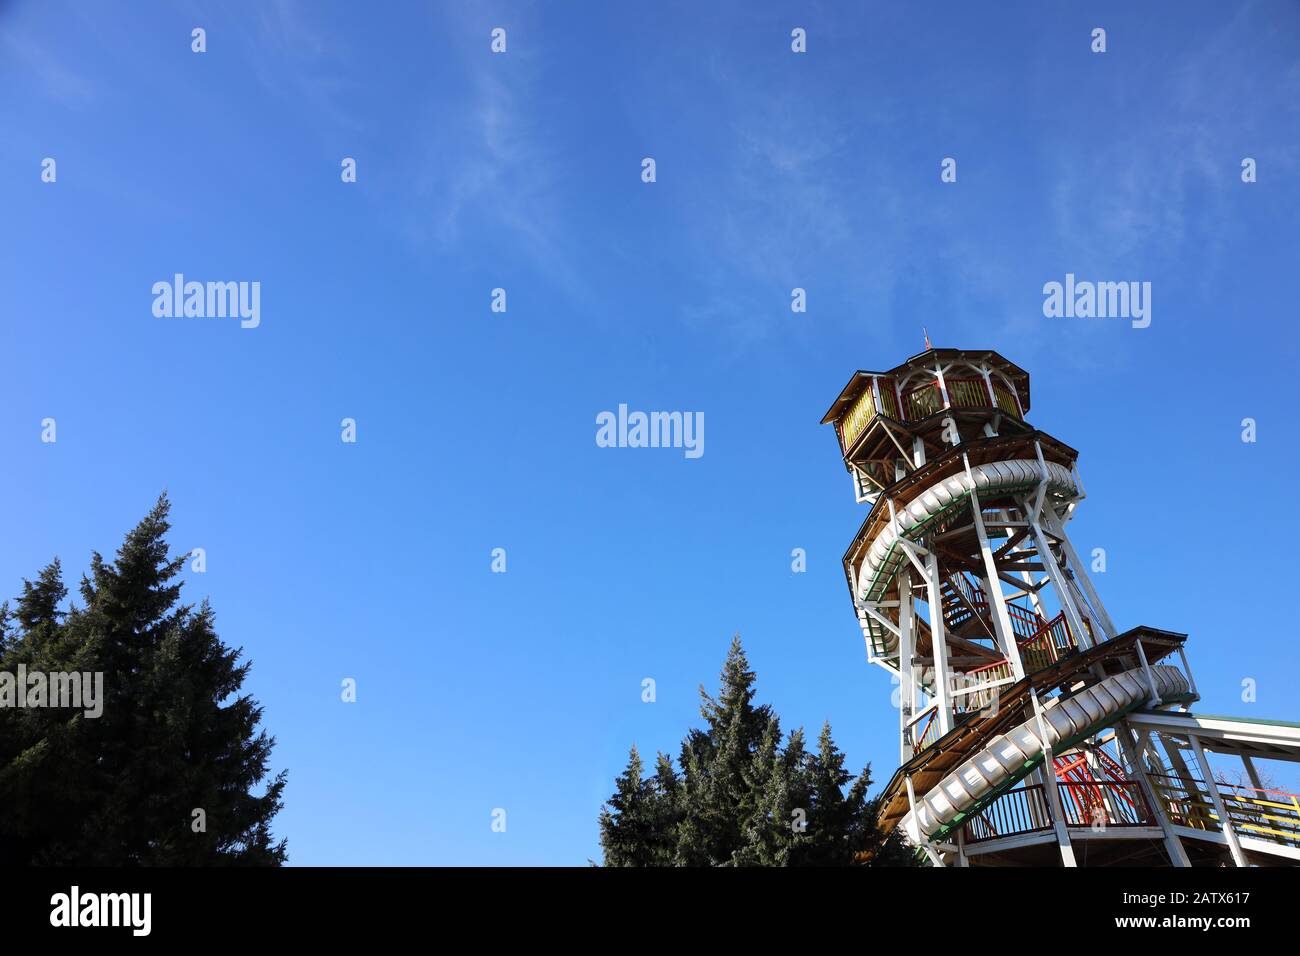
x,y
1031,729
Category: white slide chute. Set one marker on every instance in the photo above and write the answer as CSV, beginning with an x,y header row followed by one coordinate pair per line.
x,y
884,556
1006,758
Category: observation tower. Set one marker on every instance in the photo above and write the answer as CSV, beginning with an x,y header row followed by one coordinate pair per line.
x,y
1032,729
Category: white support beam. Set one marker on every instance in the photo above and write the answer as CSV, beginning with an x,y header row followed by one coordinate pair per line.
x,y
879,618
942,676
1176,762
906,680
943,386
914,554
1050,788
910,548
1056,575
988,385
1078,485
1034,597
1081,602
1227,735
1187,669
1229,833
856,590
1154,699
1081,573
1040,493
1251,772
1001,616
1124,738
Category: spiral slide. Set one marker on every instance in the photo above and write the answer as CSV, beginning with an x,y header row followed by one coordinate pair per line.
x,y
1009,757
884,557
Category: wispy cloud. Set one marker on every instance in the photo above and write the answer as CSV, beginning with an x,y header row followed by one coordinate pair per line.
x,y
59,81
1145,192
299,62
485,165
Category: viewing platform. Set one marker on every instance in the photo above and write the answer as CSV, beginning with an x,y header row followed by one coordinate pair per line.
x,y
1265,821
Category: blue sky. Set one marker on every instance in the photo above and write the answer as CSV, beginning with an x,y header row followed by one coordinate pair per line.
x,y
476,429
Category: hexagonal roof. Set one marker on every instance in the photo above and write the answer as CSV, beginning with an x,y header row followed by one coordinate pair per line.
x,y
862,379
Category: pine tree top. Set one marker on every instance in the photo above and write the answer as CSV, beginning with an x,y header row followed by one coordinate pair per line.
x,y
741,798
174,733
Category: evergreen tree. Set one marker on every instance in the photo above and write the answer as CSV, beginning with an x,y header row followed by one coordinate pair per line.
x,y
718,763
636,826
831,815
174,737
743,799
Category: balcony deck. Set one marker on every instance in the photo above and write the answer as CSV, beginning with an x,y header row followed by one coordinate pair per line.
x,y
1267,822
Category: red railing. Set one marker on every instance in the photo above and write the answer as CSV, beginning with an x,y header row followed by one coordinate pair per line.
x,y
929,733
1076,766
1048,644
1087,803
1025,623
971,601
1104,803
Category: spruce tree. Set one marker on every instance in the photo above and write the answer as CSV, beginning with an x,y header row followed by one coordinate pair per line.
x,y
718,766
639,820
743,799
831,814
175,735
